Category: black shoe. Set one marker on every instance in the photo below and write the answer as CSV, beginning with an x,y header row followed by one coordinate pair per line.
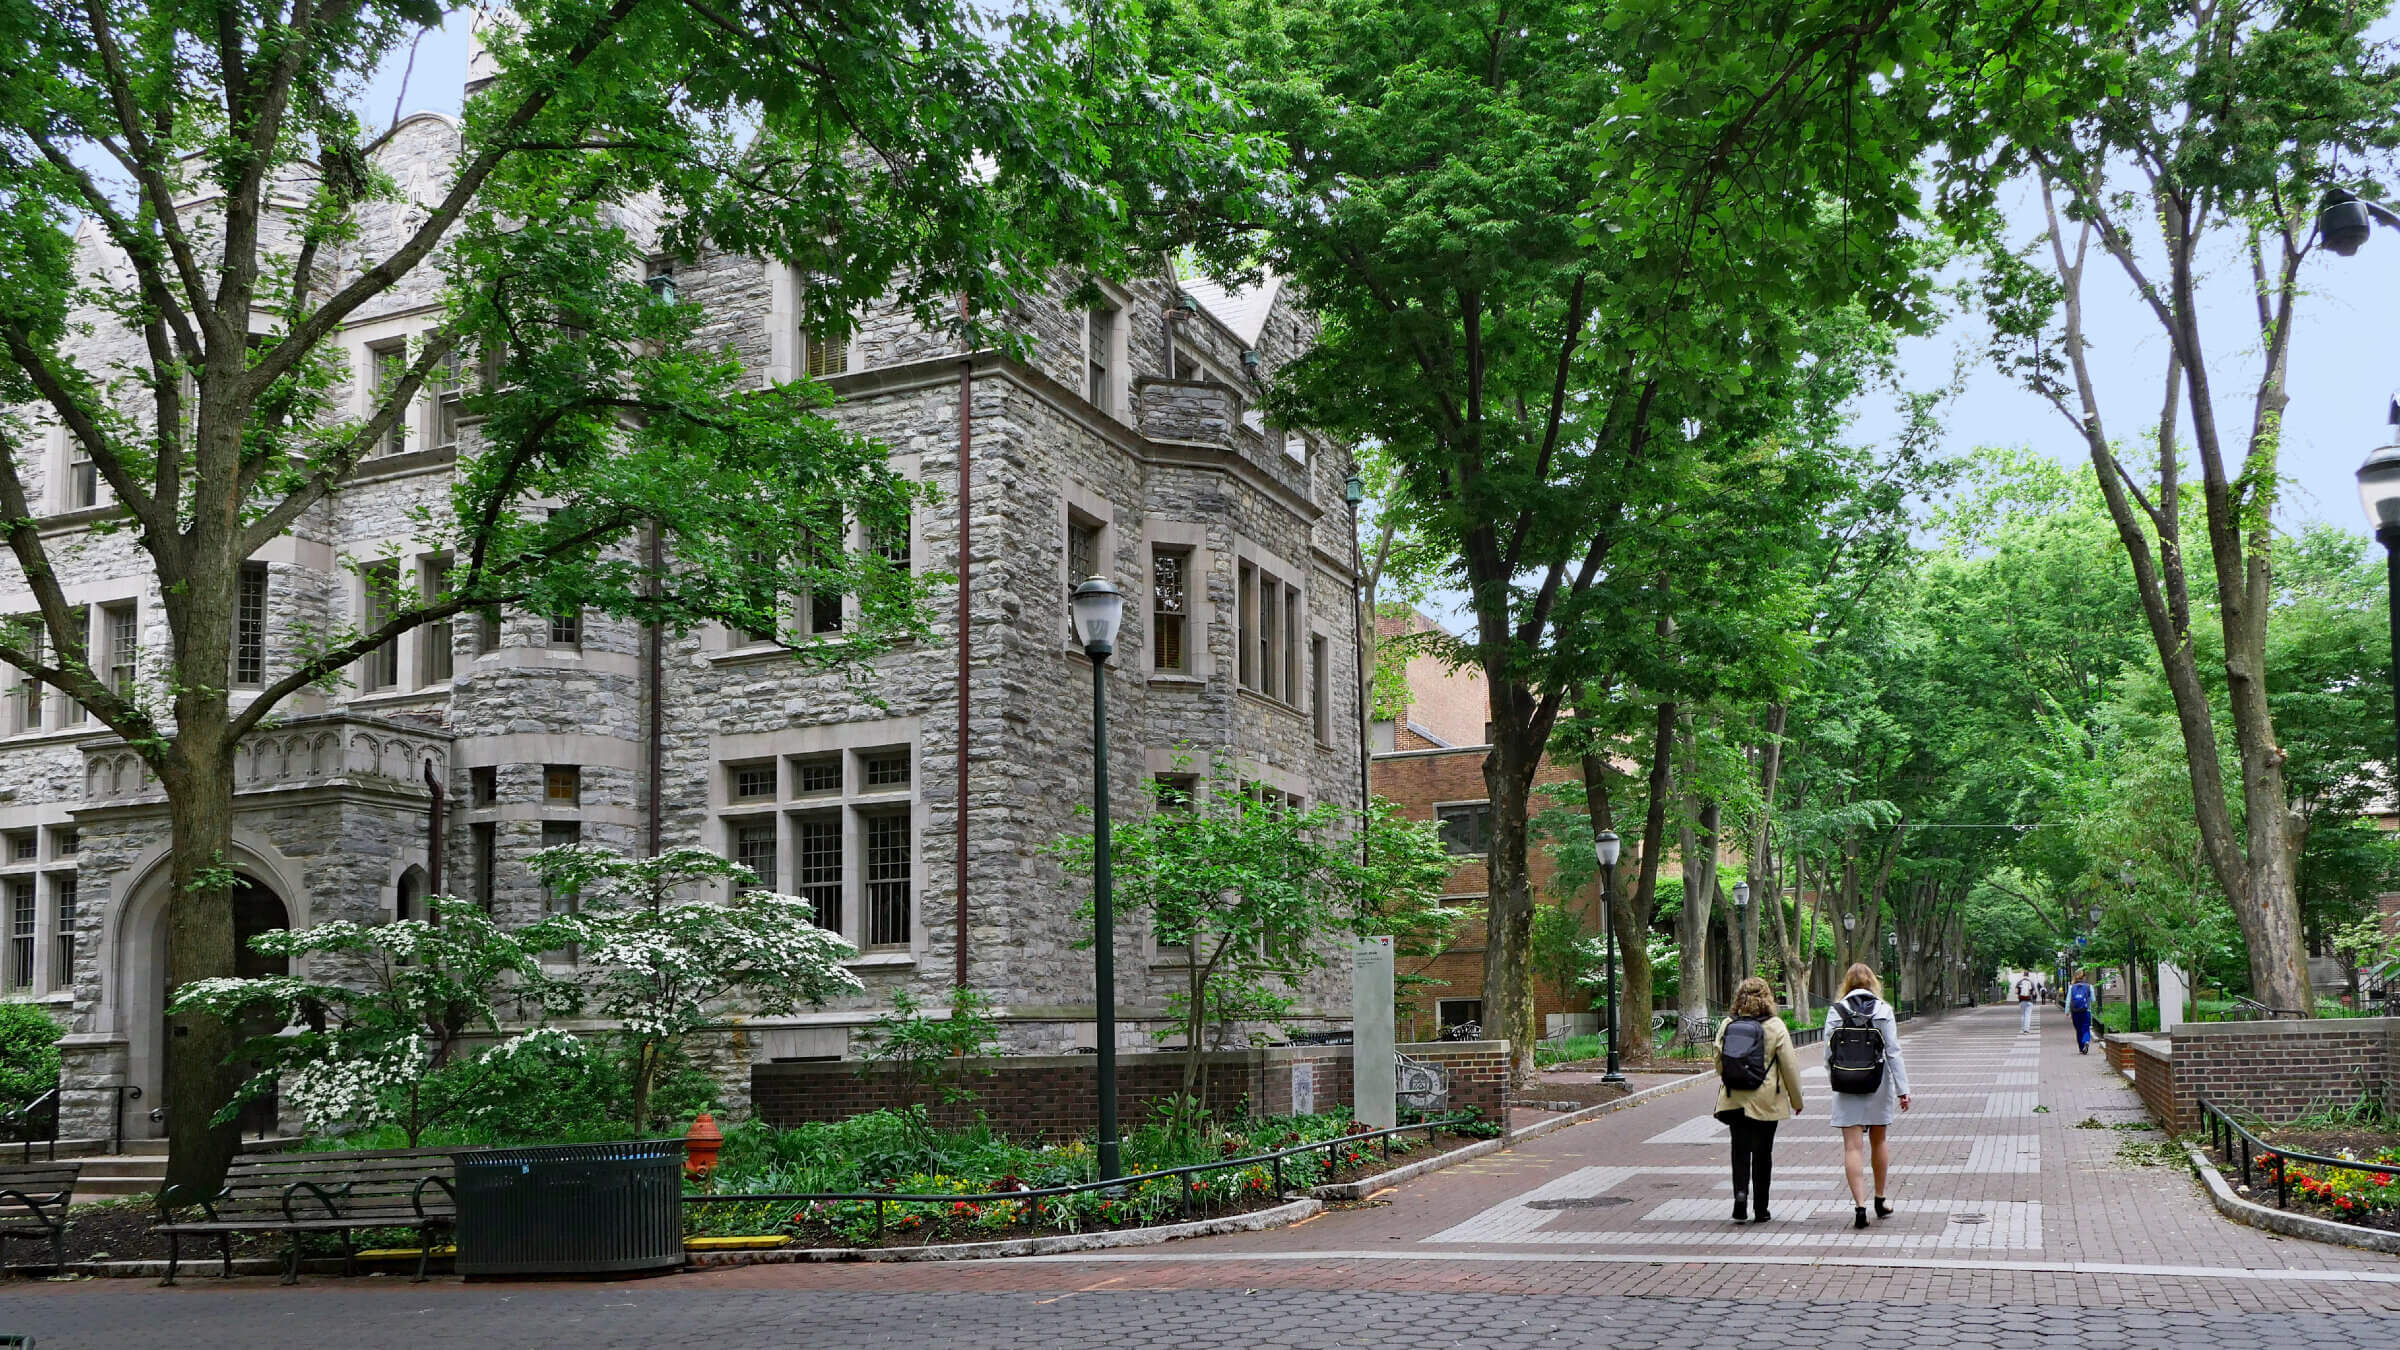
x,y
1859,1220
1882,1210
1760,1217
2084,1049
1741,1209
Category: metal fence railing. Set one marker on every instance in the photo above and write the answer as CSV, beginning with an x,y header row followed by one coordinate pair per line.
x,y
1273,1162
36,1122
2226,1135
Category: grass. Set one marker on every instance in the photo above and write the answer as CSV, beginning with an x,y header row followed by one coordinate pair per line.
x,y
1567,1049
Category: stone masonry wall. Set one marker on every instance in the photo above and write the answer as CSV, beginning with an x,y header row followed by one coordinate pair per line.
x,y
1051,1096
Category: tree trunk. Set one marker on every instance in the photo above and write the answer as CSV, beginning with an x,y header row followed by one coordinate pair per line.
x,y
1628,919
1764,878
2259,880
1508,925
1699,849
201,1077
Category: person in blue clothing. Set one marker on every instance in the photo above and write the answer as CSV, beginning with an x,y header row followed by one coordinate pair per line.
x,y
2079,1006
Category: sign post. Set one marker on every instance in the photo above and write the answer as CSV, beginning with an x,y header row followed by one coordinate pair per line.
x,y
1371,1042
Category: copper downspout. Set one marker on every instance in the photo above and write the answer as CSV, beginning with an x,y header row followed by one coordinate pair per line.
x,y
655,770
433,831
966,450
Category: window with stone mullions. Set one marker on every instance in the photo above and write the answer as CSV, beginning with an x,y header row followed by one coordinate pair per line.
x,y
754,848
1083,563
449,388
817,867
379,584
888,849
121,625
387,365
29,689
434,640
250,627
83,477
1169,601
753,782
23,926
64,907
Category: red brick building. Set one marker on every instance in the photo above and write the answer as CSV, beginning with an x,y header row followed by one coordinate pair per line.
x,y
1446,784
1429,760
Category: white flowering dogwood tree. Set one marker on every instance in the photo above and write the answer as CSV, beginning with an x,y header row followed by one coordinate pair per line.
x,y
663,959
381,1010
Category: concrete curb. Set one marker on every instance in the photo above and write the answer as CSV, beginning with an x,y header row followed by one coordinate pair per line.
x,y
1038,1246
2234,1207
1366,1186
1541,1127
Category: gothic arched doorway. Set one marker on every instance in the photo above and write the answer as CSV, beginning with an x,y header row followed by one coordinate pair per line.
x,y
256,910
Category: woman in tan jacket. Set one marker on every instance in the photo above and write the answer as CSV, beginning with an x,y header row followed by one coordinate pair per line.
x,y
1751,1112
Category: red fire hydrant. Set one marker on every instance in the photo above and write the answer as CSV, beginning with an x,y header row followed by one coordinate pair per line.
x,y
701,1146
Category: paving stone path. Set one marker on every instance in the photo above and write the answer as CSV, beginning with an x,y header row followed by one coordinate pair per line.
x,y
2018,1224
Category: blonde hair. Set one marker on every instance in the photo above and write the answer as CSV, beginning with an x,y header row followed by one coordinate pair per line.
x,y
1860,976
1753,998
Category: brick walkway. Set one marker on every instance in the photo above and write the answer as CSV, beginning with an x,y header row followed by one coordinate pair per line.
x,y
2016,1226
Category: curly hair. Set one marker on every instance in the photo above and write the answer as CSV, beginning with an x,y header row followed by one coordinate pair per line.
x,y
1753,998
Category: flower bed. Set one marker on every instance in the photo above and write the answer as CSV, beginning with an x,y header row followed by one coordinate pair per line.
x,y
982,1184
2368,1195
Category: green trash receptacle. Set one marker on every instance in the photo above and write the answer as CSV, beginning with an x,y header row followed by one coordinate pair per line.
x,y
571,1209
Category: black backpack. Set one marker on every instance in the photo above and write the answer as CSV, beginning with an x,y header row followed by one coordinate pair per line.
x,y
1854,1053
1742,1054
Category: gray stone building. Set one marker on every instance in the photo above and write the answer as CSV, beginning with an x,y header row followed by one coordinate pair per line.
x,y
1127,444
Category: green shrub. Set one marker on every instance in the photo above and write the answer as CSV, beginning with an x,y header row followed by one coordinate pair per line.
x,y
28,1053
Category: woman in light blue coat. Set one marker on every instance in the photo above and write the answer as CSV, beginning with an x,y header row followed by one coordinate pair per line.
x,y
1863,1117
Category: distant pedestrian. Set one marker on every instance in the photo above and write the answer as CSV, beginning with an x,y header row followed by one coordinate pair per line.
x,y
1870,1084
2079,1007
2025,996
1760,1086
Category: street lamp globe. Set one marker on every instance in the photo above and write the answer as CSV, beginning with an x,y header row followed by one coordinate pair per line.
x,y
2379,486
1741,895
2096,914
2125,874
1605,847
1099,611
1849,923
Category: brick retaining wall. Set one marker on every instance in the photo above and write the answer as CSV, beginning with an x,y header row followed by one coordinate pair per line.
x,y
2153,1064
1052,1097
2279,1070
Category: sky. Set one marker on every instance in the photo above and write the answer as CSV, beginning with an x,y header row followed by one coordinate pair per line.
x,y
2344,369
2345,358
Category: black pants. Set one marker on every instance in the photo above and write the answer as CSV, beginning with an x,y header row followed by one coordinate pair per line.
x,y
1753,1157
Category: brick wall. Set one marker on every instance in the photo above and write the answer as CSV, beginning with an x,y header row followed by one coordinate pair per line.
x,y
2154,1082
1052,1097
2280,1070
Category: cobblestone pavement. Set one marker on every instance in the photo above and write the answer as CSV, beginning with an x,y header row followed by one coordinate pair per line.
x,y
2019,1224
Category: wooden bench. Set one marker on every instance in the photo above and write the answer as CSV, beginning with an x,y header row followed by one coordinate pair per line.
x,y
302,1193
33,1204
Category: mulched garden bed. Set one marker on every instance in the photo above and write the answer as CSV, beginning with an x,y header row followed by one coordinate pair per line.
x,y
993,1217
121,1232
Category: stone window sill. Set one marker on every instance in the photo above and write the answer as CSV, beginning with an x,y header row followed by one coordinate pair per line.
x,y
883,959
1270,701
1174,679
